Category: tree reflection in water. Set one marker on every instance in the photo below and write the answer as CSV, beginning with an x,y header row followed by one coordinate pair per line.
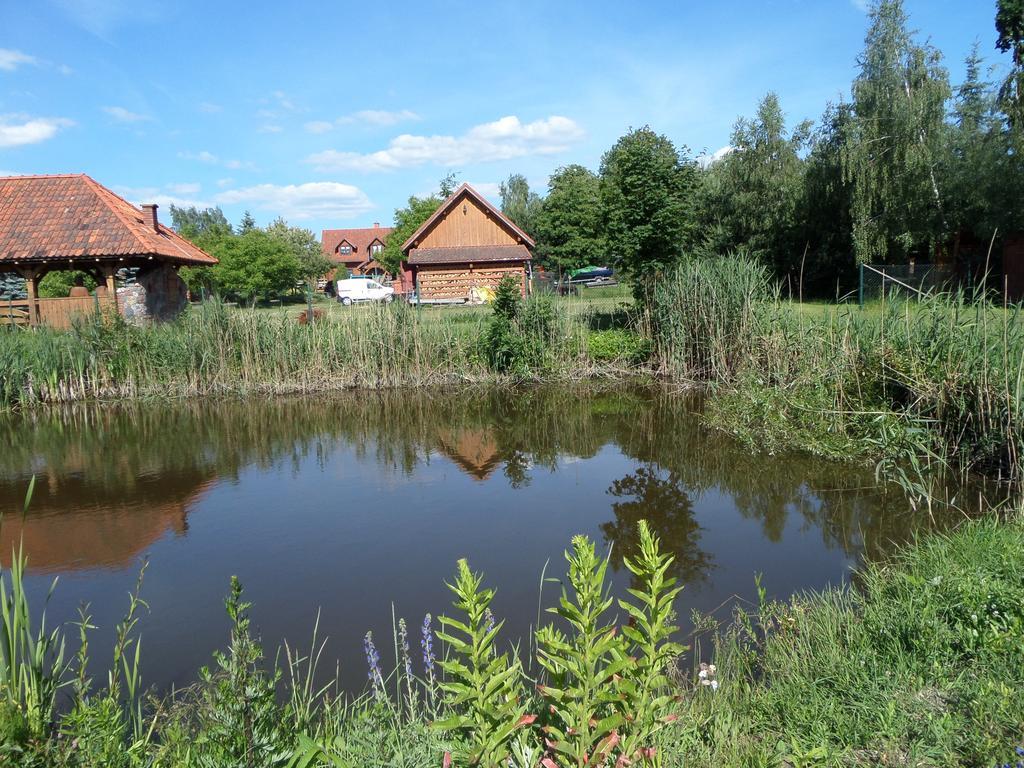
x,y
659,497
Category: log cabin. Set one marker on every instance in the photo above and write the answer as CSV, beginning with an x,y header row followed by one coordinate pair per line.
x,y
466,245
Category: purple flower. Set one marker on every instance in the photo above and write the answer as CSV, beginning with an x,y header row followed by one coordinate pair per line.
x,y
427,644
489,620
373,662
403,642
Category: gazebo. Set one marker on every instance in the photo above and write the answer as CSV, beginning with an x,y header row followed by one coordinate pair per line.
x,y
71,222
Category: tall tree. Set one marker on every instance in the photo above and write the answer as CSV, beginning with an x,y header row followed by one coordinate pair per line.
x,y
407,221
200,225
1010,31
569,228
647,195
756,190
893,151
520,204
247,224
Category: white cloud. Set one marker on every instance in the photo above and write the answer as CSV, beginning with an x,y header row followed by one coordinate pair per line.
x,y
319,126
225,182
324,199
123,115
17,130
211,159
489,189
502,139
10,59
185,188
164,199
380,117
375,117
271,129
706,160
9,173
210,108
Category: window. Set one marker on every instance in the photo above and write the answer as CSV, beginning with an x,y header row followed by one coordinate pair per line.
x,y
376,248
344,249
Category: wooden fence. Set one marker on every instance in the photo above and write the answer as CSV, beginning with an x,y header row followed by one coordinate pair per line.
x,y
55,313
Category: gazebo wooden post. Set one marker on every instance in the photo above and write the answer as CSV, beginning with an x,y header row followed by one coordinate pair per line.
x,y
107,271
32,293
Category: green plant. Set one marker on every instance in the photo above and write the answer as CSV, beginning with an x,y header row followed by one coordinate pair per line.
x,y
482,687
618,345
580,694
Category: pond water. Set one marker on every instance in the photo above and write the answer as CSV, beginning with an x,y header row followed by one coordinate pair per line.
x,y
358,505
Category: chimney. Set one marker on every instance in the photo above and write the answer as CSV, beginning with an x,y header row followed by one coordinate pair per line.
x,y
376,225
149,216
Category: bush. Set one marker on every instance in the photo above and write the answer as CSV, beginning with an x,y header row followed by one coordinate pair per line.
x,y
618,345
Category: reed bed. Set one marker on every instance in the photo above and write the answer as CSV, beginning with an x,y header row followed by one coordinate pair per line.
x,y
214,349
936,380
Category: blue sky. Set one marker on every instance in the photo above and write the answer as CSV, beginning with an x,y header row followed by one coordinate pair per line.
x,y
333,113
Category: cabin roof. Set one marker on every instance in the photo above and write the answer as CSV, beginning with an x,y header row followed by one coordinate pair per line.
x,y
466,254
465,190
44,218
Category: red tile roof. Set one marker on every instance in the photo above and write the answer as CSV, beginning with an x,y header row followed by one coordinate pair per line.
x,y
468,254
359,239
59,217
447,205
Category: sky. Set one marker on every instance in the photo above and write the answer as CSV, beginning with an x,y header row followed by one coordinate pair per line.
x,y
332,114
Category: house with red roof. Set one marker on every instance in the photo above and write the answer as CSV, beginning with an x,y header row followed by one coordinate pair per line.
x,y
356,249
71,222
464,250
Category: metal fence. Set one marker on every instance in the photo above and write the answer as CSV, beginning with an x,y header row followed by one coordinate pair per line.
x,y
908,281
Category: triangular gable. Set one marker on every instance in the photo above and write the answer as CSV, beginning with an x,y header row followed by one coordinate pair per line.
x,y
337,248
448,205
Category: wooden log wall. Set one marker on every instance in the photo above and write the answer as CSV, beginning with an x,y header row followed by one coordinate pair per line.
x,y
457,282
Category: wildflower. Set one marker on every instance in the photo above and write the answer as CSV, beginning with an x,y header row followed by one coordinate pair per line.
x,y
373,662
706,675
427,644
489,620
403,643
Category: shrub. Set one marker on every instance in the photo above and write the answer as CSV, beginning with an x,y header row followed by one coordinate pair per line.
x,y
618,345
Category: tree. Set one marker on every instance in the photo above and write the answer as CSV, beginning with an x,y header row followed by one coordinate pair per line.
x,y
1010,31
569,229
255,265
200,226
206,228
304,244
519,203
247,224
647,196
753,200
897,137
58,284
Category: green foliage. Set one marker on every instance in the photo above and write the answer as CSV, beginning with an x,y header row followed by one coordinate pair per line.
x,y
58,284
1010,31
895,143
580,691
521,335
753,196
313,264
483,688
520,204
647,194
237,719
618,345
31,657
407,221
916,664
203,227
569,227
256,265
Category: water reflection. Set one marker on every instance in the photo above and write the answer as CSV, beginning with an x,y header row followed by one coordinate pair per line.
x,y
352,502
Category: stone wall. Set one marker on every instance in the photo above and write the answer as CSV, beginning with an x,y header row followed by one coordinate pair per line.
x,y
158,294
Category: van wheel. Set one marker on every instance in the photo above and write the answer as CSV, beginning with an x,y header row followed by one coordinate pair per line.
x,y
346,301
388,299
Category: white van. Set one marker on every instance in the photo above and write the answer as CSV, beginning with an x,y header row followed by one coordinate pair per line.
x,y
356,289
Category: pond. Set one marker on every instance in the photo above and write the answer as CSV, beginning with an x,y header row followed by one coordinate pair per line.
x,y
358,505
